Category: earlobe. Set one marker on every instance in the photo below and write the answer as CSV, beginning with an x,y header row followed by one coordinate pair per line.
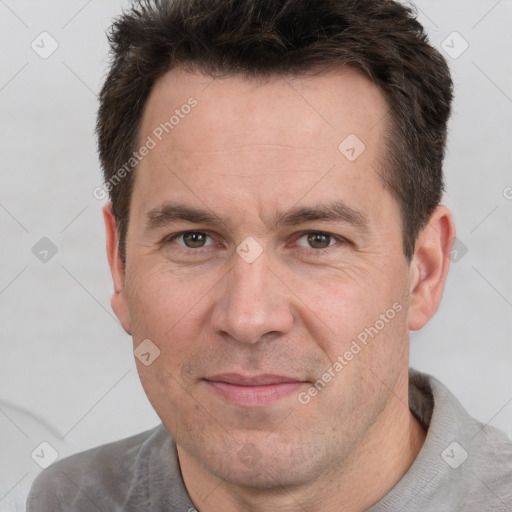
x,y
117,269
429,267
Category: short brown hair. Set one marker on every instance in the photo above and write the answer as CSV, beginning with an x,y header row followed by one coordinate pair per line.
x,y
260,38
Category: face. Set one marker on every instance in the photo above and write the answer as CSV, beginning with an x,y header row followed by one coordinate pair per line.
x,y
264,261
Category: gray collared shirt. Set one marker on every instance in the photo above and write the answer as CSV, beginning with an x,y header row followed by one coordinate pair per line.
x,y
462,466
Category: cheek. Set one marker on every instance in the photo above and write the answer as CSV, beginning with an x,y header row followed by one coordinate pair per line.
x,y
345,300
158,293
170,312
369,308
166,308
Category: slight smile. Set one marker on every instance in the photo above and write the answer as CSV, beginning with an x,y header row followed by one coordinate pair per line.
x,y
253,391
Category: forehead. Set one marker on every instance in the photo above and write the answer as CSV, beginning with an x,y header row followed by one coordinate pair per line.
x,y
324,105
273,138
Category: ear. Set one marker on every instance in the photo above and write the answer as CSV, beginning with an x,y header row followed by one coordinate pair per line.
x,y
429,267
118,301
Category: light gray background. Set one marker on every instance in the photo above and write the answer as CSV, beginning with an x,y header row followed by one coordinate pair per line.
x,y
67,374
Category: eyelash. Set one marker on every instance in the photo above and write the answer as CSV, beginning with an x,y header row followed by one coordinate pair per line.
x,y
295,238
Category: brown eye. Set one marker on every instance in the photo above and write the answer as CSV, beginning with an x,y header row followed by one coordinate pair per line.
x,y
316,240
192,239
319,240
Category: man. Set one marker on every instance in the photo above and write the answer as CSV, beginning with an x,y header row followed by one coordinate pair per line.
x,y
274,233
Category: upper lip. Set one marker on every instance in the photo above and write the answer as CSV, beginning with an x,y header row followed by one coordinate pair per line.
x,y
254,380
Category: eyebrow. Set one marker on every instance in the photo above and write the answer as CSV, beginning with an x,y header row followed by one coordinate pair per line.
x,y
337,211
169,212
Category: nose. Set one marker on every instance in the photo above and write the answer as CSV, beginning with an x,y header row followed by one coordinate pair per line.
x,y
252,303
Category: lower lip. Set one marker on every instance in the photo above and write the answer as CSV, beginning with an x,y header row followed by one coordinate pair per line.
x,y
254,396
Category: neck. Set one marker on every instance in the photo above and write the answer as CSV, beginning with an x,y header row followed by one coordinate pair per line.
x,y
371,470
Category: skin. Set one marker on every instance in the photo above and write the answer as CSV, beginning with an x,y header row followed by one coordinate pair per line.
x,y
249,150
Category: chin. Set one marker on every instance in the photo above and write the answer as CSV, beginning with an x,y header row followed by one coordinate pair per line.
x,y
262,464
265,475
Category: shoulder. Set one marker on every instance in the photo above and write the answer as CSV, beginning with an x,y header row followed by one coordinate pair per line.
x,y
489,457
463,465
463,459
99,478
